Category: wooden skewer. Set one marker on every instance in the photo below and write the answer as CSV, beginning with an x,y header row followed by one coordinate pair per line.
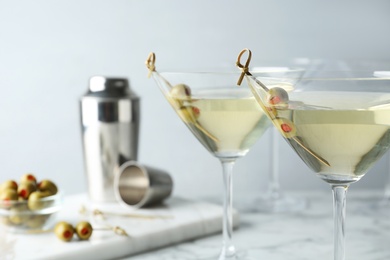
x,y
117,230
319,158
97,212
245,71
201,128
150,64
150,61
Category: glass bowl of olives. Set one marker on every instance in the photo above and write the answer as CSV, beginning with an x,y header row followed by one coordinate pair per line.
x,y
29,205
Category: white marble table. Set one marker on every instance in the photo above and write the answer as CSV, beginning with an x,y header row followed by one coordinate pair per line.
x,y
296,236
299,236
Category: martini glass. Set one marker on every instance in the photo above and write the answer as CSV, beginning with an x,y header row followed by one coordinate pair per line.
x,y
337,122
225,119
275,200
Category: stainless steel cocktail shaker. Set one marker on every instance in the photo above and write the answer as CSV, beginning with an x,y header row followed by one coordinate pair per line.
x,y
110,115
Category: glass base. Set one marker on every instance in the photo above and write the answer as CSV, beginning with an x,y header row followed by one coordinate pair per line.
x,y
273,203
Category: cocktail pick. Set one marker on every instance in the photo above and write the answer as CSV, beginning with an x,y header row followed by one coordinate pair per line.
x,y
286,126
189,114
245,68
98,213
65,230
150,61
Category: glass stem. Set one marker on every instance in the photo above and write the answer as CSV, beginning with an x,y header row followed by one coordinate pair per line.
x,y
274,186
228,249
339,206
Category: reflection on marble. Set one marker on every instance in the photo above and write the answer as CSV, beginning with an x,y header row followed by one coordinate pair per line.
x,y
299,236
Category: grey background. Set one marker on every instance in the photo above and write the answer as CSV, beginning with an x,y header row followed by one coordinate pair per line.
x,y
49,49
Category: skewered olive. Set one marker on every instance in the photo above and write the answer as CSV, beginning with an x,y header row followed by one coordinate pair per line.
x,y
189,114
180,91
277,96
84,230
286,127
9,184
48,186
25,189
35,201
28,177
178,94
64,231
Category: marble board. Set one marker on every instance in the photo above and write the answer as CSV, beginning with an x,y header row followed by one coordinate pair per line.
x,y
181,220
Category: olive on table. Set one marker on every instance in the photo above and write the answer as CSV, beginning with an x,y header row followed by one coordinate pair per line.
x,y
84,230
64,231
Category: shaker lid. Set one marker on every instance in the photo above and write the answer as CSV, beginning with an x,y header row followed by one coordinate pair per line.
x,y
100,86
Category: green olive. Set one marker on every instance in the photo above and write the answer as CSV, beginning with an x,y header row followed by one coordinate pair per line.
x,y
16,215
37,221
84,230
180,91
7,198
28,177
21,206
189,114
35,201
64,231
9,184
285,127
178,94
277,96
25,189
49,186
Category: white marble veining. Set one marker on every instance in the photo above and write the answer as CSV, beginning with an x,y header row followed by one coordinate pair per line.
x,y
299,236
296,236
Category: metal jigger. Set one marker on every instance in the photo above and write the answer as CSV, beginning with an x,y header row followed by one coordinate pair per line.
x,y
139,186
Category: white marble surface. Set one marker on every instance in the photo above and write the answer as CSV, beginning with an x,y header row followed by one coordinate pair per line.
x,y
178,220
299,236
296,236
